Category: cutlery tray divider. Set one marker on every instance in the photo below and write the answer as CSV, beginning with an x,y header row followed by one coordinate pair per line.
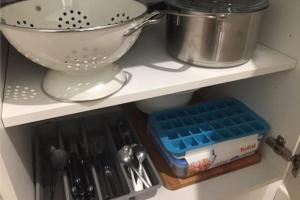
x,y
120,165
71,129
94,127
46,134
112,120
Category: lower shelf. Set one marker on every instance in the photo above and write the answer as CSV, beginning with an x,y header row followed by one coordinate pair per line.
x,y
226,186
222,187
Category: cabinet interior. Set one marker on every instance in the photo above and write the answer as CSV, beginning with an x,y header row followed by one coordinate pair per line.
x,y
275,97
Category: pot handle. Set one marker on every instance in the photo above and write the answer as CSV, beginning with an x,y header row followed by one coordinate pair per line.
x,y
152,18
173,12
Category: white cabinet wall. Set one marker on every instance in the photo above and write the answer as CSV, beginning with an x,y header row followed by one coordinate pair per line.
x,y
276,97
16,172
6,187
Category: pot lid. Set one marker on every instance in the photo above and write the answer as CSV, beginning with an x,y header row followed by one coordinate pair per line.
x,y
221,6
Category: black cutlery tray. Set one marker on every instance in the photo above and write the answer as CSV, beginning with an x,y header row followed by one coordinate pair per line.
x,y
104,126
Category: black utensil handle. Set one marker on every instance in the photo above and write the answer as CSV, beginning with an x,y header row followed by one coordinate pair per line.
x,y
85,170
125,133
53,179
99,163
73,186
108,183
128,139
116,183
87,177
74,162
111,184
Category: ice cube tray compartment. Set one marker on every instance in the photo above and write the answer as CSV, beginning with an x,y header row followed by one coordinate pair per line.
x,y
190,127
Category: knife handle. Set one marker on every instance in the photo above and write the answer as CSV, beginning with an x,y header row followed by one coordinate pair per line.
x,y
74,162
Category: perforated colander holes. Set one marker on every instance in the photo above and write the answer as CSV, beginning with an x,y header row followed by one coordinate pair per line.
x,y
38,8
24,23
73,19
84,62
119,18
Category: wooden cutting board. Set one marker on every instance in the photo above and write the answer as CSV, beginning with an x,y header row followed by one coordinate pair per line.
x,y
170,181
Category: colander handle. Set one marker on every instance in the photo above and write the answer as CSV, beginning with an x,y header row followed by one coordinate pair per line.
x,y
152,18
174,12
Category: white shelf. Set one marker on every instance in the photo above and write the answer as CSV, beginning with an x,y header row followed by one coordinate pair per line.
x,y
153,73
226,186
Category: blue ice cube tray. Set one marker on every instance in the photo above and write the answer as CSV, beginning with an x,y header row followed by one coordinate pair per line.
x,y
191,127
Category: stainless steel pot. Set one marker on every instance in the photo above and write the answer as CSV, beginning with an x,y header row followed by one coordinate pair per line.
x,y
212,39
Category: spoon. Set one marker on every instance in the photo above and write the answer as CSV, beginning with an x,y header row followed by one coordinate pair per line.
x,y
140,154
126,157
59,160
140,158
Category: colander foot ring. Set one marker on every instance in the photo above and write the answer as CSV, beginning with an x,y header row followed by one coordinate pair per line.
x,y
80,87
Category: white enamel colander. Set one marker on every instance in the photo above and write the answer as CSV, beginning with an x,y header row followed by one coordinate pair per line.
x,y
78,40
